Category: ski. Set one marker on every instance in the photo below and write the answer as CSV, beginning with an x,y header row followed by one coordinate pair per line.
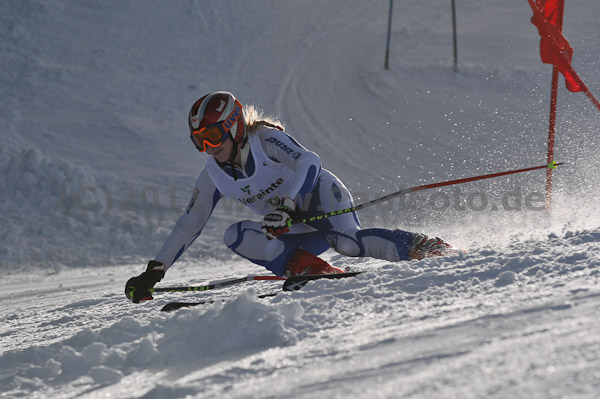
x,y
219,284
294,283
178,305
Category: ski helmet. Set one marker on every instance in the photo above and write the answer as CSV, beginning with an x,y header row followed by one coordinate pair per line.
x,y
219,113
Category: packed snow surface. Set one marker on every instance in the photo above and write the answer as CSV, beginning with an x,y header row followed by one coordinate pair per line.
x,y
96,166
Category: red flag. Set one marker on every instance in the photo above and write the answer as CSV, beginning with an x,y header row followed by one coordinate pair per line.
x,y
552,10
554,48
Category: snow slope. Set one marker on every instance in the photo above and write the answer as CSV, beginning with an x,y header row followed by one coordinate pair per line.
x,y
96,167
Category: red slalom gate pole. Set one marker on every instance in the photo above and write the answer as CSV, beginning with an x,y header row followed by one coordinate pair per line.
x,y
551,133
552,122
306,219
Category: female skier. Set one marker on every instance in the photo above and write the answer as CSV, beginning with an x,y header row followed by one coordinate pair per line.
x,y
253,161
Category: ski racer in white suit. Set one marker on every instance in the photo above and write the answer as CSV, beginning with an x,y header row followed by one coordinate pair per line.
x,y
255,162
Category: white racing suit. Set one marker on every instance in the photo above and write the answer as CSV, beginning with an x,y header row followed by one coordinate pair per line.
x,y
275,166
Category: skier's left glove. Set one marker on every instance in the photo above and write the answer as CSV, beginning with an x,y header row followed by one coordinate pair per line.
x,y
140,288
275,223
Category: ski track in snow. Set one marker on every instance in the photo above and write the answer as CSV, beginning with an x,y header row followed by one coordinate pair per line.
x,y
91,91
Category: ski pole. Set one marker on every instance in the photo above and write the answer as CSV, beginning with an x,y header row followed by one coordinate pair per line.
x,y
305,219
216,285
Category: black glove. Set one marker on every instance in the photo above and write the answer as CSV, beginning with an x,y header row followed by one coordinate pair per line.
x,y
140,288
275,223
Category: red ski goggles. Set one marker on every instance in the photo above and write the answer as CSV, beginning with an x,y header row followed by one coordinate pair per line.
x,y
215,134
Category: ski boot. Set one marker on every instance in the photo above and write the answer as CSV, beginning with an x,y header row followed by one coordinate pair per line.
x,y
305,263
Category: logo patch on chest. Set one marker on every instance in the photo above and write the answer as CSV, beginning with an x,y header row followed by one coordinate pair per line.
x,y
262,193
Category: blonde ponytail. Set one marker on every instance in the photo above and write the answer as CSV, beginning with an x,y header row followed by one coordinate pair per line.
x,y
255,119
